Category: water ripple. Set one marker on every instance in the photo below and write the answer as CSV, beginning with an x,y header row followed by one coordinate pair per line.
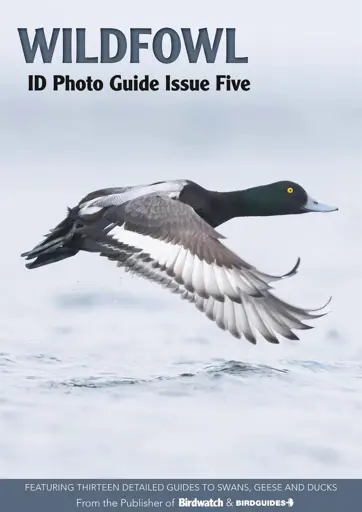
x,y
234,369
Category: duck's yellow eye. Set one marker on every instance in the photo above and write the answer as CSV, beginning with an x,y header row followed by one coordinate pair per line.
x,y
290,190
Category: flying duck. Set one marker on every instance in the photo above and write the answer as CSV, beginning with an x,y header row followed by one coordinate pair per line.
x,y
165,232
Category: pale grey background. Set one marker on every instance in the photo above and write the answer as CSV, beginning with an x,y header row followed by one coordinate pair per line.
x,y
72,333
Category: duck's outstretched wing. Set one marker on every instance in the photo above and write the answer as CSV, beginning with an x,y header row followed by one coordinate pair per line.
x,y
165,241
268,314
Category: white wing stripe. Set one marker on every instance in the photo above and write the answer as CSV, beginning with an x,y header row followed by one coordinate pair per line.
x,y
198,277
224,280
206,279
211,285
186,275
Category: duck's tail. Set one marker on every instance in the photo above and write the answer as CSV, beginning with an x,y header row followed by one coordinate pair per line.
x,y
59,244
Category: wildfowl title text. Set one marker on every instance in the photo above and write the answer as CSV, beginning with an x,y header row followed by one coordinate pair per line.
x,y
165,45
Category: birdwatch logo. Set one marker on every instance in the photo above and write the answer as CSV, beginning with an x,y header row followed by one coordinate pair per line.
x,y
265,503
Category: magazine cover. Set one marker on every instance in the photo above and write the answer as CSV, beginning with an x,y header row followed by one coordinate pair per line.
x,y
181,255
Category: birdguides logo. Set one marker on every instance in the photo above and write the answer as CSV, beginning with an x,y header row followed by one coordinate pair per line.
x,y
216,503
264,503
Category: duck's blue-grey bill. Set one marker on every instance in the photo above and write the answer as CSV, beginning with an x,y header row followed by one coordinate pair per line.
x,y
315,206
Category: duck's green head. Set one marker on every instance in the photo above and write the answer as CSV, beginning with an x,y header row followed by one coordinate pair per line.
x,y
281,198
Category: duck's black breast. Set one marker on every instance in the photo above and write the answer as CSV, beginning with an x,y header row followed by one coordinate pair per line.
x,y
207,204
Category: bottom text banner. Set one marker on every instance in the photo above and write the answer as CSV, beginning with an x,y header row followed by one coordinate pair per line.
x,y
93,495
